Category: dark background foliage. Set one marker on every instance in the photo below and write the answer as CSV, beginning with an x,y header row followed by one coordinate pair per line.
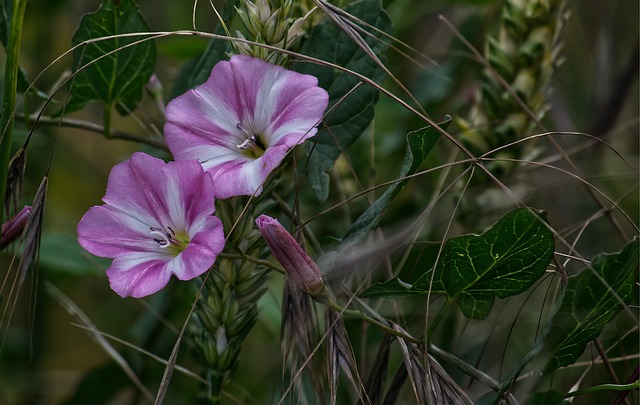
x,y
46,359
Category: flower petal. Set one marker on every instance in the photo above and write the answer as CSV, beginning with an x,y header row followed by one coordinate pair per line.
x,y
139,274
134,186
157,220
246,177
243,96
107,231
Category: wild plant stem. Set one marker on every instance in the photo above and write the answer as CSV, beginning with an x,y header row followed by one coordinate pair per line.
x,y
92,127
357,314
10,90
251,259
439,317
216,381
605,387
607,364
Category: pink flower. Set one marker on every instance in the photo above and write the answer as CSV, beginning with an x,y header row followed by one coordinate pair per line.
x,y
303,271
157,220
12,229
241,123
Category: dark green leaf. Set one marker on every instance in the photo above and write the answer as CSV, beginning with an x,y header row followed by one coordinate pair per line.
x,y
547,398
590,301
199,70
476,305
506,259
328,42
475,269
419,145
119,77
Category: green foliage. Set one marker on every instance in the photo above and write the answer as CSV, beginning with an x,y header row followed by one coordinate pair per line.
x,y
547,398
6,7
475,269
347,122
120,70
590,301
92,388
419,145
198,71
524,54
470,271
61,252
6,10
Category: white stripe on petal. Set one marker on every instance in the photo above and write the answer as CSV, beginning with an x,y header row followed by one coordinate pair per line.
x,y
267,99
177,267
173,199
219,114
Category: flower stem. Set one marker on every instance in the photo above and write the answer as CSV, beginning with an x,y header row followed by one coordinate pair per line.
x,y
604,387
10,90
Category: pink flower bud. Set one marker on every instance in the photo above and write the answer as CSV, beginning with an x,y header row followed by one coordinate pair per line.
x,y
12,229
303,271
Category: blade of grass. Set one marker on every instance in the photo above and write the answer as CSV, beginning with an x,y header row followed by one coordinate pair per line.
x,y
77,313
10,89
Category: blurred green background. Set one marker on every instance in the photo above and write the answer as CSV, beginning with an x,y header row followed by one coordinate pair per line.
x,y
46,359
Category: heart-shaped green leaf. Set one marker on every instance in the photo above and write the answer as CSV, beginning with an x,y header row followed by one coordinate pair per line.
x,y
347,122
590,301
118,77
475,269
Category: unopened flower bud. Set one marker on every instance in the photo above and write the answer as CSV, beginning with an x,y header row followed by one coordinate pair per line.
x,y
154,86
303,271
12,229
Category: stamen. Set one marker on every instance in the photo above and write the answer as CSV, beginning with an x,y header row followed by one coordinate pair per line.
x,y
167,237
163,240
248,143
252,143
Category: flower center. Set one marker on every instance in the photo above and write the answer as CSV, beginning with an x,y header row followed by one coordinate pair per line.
x,y
175,242
253,145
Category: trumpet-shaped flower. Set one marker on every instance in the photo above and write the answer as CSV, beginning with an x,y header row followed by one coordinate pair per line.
x,y
157,221
303,271
242,122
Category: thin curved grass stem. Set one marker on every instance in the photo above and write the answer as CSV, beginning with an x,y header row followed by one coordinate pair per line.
x,y
10,90
336,307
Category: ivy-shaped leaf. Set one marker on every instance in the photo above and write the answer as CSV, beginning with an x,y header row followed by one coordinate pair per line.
x,y
419,145
475,269
345,124
590,301
118,78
